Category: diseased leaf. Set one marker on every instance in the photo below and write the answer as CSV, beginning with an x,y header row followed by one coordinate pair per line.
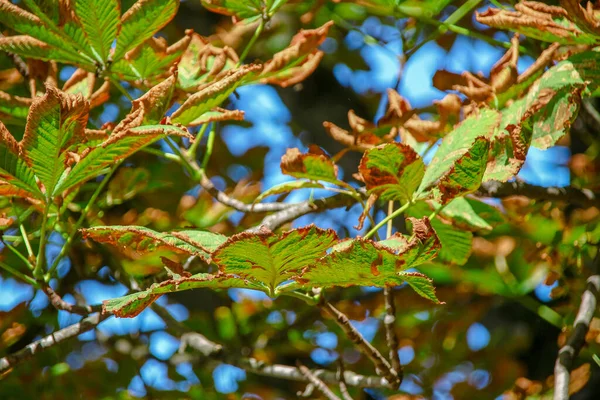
x,y
202,62
218,114
31,25
128,136
30,47
312,165
538,21
100,21
146,241
212,95
141,21
56,121
393,171
296,62
131,305
459,163
152,60
367,263
270,258
286,187
15,175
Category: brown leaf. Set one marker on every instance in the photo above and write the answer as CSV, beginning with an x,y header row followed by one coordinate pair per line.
x,y
365,213
585,18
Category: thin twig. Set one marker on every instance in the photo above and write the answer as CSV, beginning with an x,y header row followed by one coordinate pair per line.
x,y
60,304
382,365
342,381
292,373
389,321
277,219
32,349
567,354
318,383
581,197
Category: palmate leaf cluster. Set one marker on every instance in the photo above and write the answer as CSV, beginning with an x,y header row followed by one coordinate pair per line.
x,y
482,132
58,153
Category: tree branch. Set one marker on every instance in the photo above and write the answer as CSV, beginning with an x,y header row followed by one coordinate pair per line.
x,y
277,219
86,324
567,354
318,383
581,197
236,204
342,381
382,365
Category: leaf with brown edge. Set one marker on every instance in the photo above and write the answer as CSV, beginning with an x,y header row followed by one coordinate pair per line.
x,y
296,62
141,21
128,136
392,171
363,262
16,177
202,62
29,47
286,187
247,10
459,163
311,165
145,241
538,21
84,82
56,121
131,305
152,60
212,95
364,134
270,258
218,114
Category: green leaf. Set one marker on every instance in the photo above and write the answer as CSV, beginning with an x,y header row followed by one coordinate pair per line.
x,y
286,187
31,25
244,9
14,109
471,214
131,305
459,163
56,121
456,243
270,258
100,21
366,263
393,171
15,175
146,241
141,21
311,165
29,47
212,95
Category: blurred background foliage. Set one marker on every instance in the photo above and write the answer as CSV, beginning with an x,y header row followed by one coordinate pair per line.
x,y
505,307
